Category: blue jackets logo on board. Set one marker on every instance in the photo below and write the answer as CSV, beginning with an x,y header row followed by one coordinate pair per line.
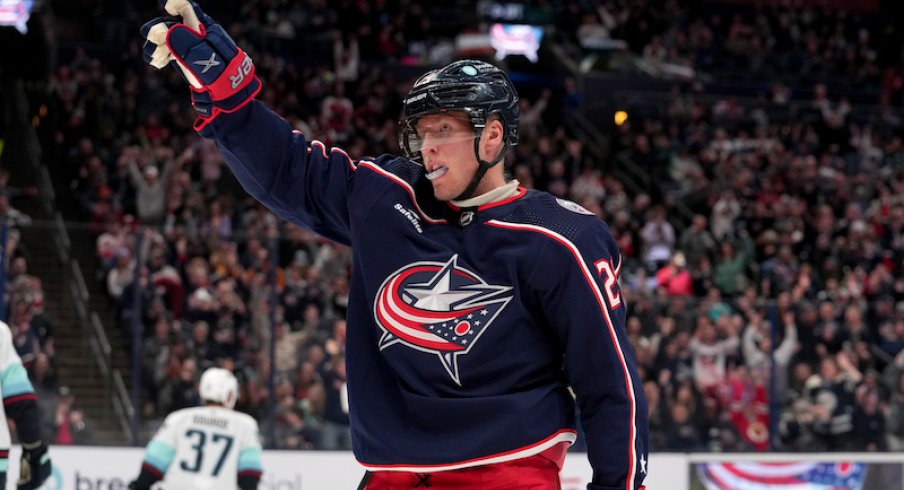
x,y
437,308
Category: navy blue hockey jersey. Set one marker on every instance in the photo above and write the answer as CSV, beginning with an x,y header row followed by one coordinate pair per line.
x,y
465,327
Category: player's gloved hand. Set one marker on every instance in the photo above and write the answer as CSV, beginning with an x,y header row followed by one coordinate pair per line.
x,y
220,73
34,467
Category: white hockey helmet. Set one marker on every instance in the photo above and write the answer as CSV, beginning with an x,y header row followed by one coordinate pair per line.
x,y
219,386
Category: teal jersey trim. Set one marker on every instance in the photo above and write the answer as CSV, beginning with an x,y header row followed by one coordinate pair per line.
x,y
14,381
250,459
159,455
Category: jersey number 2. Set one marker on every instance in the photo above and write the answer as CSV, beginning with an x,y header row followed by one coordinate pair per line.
x,y
198,446
604,267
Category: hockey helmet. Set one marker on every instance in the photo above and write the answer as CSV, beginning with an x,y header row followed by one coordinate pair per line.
x,y
474,87
219,386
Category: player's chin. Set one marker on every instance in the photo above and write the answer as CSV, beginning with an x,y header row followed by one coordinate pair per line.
x,y
443,193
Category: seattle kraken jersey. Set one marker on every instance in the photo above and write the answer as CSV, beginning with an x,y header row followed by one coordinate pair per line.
x,y
466,327
204,447
14,386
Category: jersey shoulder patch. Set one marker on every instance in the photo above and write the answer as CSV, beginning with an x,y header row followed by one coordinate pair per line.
x,y
558,215
573,206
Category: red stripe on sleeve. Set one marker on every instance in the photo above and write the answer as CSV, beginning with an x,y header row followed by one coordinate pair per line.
x,y
19,398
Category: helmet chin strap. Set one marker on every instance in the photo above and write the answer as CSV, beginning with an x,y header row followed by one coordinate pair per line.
x,y
482,167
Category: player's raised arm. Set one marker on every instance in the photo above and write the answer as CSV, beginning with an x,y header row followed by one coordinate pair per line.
x,y
302,182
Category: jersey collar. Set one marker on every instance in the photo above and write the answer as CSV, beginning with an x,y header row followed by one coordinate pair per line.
x,y
505,194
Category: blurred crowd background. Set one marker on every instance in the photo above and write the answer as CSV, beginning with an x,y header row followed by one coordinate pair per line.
x,y
754,188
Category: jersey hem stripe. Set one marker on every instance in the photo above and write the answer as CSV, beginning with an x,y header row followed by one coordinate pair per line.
x,y
564,435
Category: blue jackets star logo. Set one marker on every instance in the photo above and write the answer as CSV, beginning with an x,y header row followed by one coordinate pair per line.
x,y
437,308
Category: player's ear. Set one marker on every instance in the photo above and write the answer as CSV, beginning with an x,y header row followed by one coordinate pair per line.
x,y
494,130
493,138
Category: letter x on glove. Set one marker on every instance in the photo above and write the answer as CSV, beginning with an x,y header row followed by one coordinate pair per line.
x,y
220,73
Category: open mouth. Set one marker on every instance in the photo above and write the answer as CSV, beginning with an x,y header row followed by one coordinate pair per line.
x,y
439,172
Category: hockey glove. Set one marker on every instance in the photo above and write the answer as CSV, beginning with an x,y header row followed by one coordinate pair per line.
x,y
220,73
137,485
34,467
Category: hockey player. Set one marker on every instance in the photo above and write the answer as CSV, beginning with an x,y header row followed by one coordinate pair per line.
x,y
20,405
475,305
210,446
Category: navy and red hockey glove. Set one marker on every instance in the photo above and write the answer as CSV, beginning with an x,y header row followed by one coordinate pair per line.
x,y
220,73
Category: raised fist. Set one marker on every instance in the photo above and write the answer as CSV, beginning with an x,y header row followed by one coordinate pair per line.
x,y
220,73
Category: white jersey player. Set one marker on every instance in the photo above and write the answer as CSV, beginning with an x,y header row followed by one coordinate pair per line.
x,y
20,405
210,446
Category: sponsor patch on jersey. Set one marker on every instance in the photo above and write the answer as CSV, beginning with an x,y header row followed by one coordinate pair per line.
x,y
573,206
438,308
411,216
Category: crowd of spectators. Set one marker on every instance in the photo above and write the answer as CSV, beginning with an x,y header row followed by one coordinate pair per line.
x,y
793,258
23,297
764,42
772,318
778,310
32,331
